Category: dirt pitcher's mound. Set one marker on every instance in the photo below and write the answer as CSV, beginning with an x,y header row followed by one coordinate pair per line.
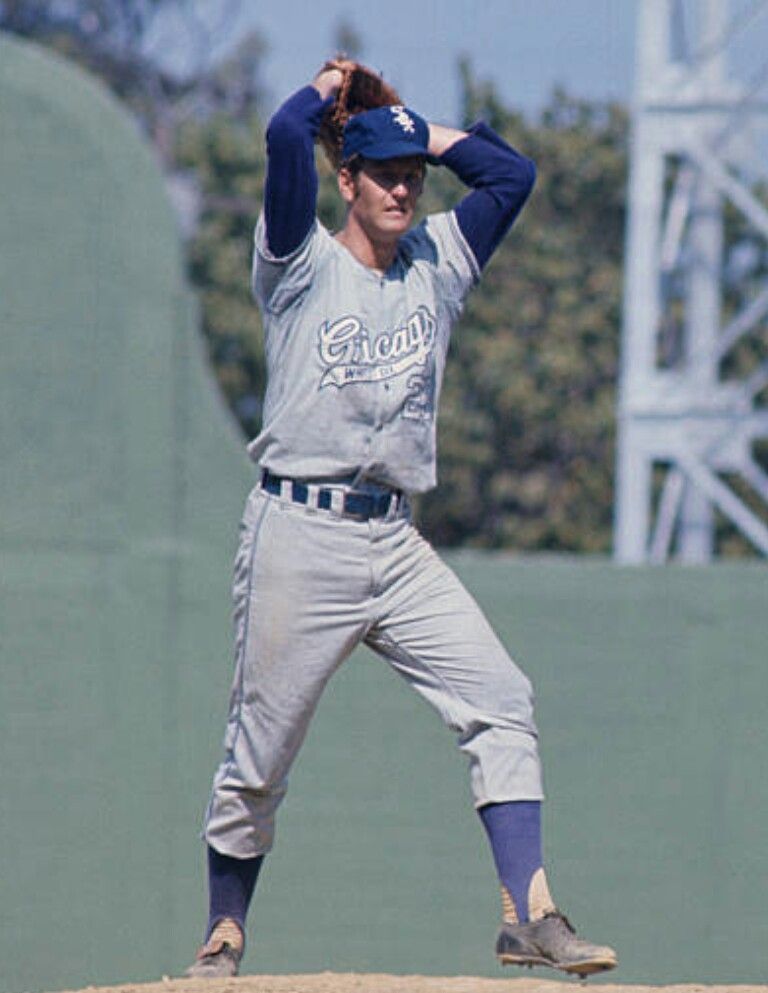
x,y
335,982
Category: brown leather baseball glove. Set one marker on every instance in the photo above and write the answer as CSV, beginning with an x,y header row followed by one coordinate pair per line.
x,y
361,89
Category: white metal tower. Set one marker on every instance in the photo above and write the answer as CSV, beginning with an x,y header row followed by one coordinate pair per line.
x,y
685,420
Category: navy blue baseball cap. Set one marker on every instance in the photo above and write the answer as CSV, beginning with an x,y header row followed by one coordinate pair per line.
x,y
385,133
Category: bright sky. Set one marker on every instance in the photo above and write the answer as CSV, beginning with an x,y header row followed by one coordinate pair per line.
x,y
524,46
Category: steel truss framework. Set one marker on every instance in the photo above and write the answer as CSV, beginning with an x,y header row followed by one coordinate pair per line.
x,y
680,420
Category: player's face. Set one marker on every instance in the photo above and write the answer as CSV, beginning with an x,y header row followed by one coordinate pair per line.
x,y
383,195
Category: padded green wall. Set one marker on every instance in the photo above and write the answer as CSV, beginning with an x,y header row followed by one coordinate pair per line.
x,y
121,483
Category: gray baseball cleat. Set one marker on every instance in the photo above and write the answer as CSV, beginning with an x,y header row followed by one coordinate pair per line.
x,y
552,941
220,956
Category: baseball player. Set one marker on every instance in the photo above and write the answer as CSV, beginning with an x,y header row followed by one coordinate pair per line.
x,y
356,328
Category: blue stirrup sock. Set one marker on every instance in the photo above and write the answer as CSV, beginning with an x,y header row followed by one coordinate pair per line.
x,y
514,831
231,883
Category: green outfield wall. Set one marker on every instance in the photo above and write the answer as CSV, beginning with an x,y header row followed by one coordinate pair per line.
x,y
121,483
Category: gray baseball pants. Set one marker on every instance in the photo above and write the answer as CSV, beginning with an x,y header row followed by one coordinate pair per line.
x,y
309,586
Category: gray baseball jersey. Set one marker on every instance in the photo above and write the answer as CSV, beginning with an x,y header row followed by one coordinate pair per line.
x,y
355,364
355,359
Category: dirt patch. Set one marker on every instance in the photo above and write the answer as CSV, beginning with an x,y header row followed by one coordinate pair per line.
x,y
334,982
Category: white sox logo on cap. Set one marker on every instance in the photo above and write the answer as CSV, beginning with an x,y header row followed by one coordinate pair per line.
x,y
403,118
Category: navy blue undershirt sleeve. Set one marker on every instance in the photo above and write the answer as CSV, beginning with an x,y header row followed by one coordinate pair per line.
x,y
290,192
502,180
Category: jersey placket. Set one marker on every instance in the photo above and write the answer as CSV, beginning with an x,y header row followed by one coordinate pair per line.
x,y
383,390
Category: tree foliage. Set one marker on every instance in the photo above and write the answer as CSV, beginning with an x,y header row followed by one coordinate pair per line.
x,y
527,426
227,158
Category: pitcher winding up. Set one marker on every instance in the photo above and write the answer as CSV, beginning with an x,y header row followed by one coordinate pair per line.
x,y
356,327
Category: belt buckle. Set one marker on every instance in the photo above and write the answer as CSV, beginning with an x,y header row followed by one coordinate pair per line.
x,y
377,505
363,514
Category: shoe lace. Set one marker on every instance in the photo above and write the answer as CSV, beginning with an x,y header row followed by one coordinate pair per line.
x,y
561,916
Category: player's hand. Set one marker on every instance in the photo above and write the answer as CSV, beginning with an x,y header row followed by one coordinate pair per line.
x,y
328,81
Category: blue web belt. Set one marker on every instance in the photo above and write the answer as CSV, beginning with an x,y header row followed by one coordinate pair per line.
x,y
362,506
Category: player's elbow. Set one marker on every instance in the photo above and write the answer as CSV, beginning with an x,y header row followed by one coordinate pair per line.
x,y
514,187
516,179
520,178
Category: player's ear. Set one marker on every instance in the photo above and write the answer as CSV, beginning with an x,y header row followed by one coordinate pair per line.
x,y
347,183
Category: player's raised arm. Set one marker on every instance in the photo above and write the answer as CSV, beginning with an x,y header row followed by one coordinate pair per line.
x,y
501,177
290,192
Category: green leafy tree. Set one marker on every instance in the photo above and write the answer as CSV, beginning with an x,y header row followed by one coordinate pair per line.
x,y
527,425
226,156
